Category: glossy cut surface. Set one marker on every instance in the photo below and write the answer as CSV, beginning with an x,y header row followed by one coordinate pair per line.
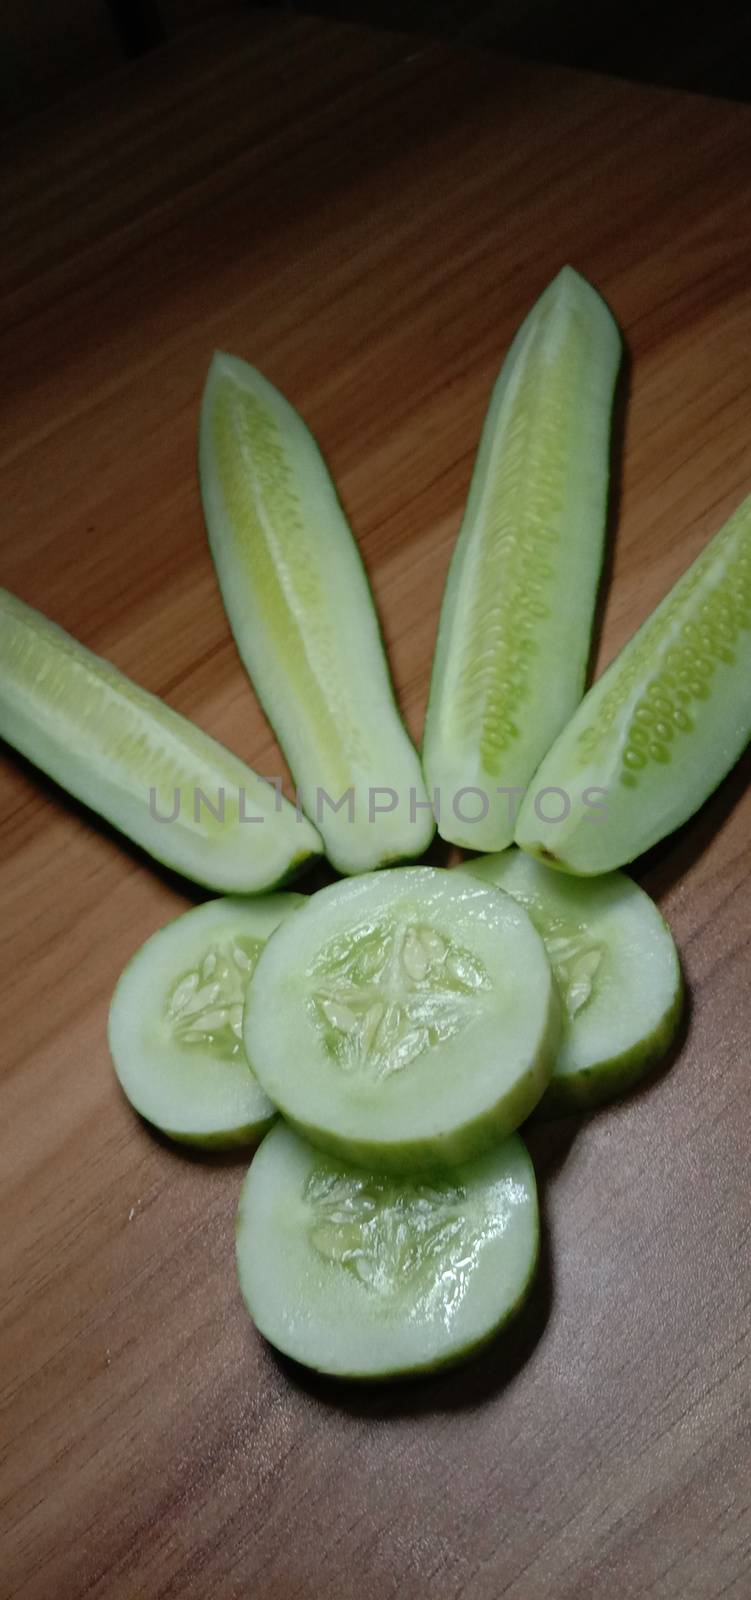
x,y
404,1019
617,971
175,1022
298,600
364,1276
513,637
173,790
662,726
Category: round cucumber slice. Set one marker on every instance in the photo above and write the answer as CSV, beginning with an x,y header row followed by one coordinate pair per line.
x,y
299,604
366,1276
175,1024
176,792
513,640
660,728
404,1019
617,970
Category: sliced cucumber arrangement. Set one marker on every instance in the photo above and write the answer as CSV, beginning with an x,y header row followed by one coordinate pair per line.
x,y
404,1019
366,1276
514,633
404,1022
660,728
175,1025
173,790
617,970
298,601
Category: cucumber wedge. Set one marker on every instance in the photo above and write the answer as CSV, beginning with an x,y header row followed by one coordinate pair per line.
x,y
179,794
364,1276
514,633
617,970
300,608
660,728
175,1024
404,1019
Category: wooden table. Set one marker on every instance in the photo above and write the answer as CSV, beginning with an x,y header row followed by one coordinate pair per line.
x,y
367,219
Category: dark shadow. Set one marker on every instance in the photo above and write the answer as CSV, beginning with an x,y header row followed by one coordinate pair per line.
x,y
621,402
138,24
239,1155
664,1064
441,854
489,1372
660,868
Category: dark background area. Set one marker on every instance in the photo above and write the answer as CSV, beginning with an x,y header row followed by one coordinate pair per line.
x,y
49,48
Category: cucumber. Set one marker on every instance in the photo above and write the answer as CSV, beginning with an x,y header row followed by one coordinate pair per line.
x,y
617,970
179,794
298,601
404,1019
660,728
175,1023
364,1276
514,632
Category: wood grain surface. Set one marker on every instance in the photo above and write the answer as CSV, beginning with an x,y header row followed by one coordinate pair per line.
x,y
367,220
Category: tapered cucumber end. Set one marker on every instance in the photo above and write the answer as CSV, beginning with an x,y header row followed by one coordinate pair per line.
x,y
548,857
662,726
300,608
513,637
585,840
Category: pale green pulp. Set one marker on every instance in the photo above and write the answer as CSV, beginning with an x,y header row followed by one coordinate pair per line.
x,y
513,637
302,614
155,775
365,1276
664,723
204,1005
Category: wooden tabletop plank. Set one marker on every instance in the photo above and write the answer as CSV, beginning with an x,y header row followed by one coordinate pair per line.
x,y
366,219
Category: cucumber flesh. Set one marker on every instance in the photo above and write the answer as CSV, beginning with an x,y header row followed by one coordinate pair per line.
x,y
514,633
617,970
301,611
175,1024
660,728
364,1276
173,790
404,1019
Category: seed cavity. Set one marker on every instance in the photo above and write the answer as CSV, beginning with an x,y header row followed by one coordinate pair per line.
x,y
272,540
205,1006
513,588
388,991
107,715
576,958
386,1233
677,651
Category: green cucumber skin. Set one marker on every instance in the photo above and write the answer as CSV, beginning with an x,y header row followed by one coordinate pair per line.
x,y
610,1077
590,1088
452,1360
53,750
444,1151
644,808
234,1139
342,851
428,1369
555,696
